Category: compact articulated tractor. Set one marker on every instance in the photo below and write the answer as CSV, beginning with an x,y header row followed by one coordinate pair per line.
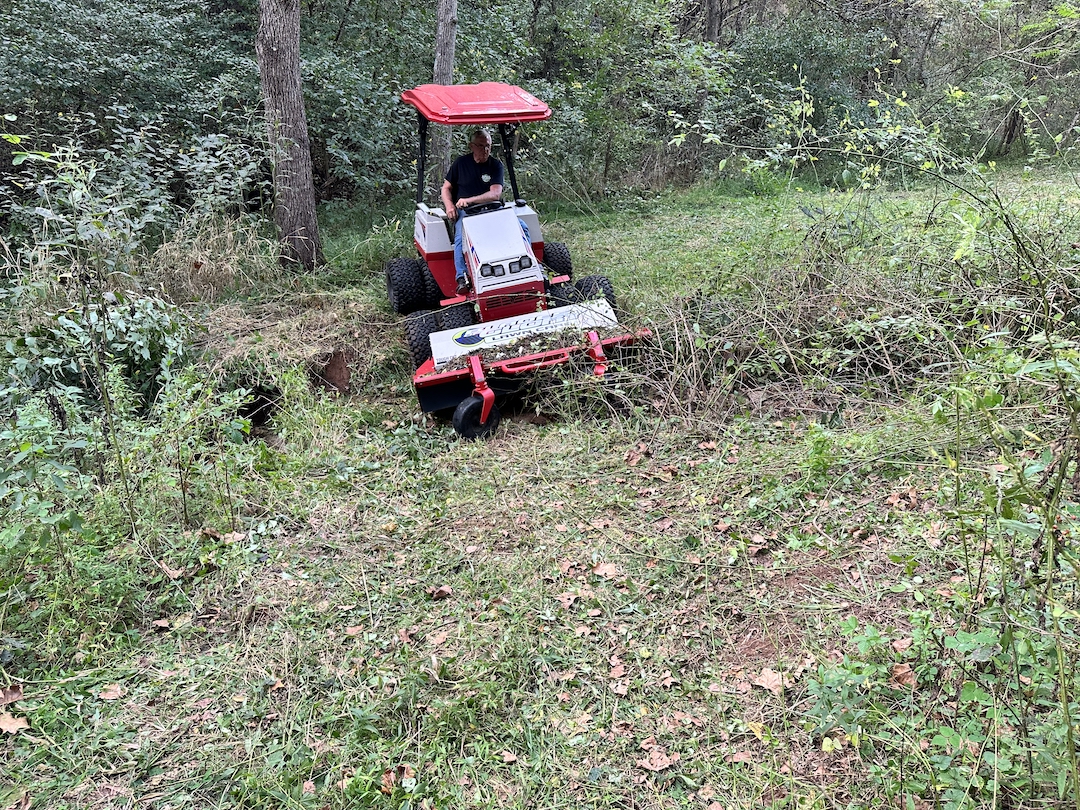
x,y
522,311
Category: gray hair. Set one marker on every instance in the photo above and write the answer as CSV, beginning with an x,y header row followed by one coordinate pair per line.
x,y
481,131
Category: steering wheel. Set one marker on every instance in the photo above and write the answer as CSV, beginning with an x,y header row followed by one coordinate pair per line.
x,y
480,208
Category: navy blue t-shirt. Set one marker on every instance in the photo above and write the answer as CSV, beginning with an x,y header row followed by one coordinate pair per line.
x,y
471,179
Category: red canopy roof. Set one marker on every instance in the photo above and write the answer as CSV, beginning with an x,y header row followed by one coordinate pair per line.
x,y
484,103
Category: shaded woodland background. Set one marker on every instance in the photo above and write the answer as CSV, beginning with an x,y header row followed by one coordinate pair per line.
x,y
164,99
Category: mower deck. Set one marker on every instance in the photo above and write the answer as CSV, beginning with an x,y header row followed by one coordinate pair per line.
x,y
458,371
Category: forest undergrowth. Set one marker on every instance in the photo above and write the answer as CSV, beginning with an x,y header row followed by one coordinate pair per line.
x,y
809,546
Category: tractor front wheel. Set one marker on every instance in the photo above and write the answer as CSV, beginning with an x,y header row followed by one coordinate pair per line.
x,y
563,293
593,287
458,316
418,329
467,418
405,286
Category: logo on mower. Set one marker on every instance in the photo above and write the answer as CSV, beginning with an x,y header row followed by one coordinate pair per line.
x,y
470,337
498,332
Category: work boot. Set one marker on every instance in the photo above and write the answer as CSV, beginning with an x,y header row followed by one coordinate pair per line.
x,y
462,285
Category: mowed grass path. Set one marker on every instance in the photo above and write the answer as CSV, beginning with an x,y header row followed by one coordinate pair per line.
x,y
605,612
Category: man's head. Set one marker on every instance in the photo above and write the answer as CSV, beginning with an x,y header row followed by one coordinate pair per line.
x,y
480,145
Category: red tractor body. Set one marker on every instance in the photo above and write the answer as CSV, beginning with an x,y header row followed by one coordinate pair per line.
x,y
520,285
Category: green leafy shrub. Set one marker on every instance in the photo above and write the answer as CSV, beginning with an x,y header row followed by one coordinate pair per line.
x,y
141,337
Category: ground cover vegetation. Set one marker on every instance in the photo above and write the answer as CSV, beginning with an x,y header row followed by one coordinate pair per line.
x,y
810,547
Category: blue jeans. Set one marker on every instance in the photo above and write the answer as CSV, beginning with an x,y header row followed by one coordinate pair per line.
x,y
459,256
459,252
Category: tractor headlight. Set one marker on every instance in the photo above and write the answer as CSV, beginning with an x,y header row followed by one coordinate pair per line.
x,y
515,267
526,262
500,270
486,271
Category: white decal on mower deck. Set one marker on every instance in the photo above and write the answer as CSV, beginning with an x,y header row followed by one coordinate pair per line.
x,y
451,343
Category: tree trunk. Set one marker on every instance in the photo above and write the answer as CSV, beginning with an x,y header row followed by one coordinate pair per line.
x,y
445,43
277,48
714,10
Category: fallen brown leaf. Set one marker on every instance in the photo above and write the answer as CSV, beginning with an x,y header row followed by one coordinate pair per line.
x,y
113,691
508,757
10,694
442,592
389,779
438,639
9,724
901,644
771,681
171,573
658,760
606,570
903,675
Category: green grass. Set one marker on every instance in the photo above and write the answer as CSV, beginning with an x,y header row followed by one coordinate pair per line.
x,y
655,609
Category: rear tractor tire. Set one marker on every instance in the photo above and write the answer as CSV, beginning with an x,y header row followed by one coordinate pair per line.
x,y
467,418
405,289
432,294
557,259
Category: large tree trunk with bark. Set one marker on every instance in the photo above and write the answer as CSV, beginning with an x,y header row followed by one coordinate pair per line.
x,y
277,48
445,43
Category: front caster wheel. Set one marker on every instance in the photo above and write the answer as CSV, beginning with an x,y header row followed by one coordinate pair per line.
x,y
467,418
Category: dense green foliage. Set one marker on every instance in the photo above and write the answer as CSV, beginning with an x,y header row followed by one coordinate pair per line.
x,y
623,79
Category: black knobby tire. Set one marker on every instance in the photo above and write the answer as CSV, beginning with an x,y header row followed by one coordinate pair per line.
x,y
459,316
432,294
405,286
563,293
467,418
417,329
593,287
557,259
